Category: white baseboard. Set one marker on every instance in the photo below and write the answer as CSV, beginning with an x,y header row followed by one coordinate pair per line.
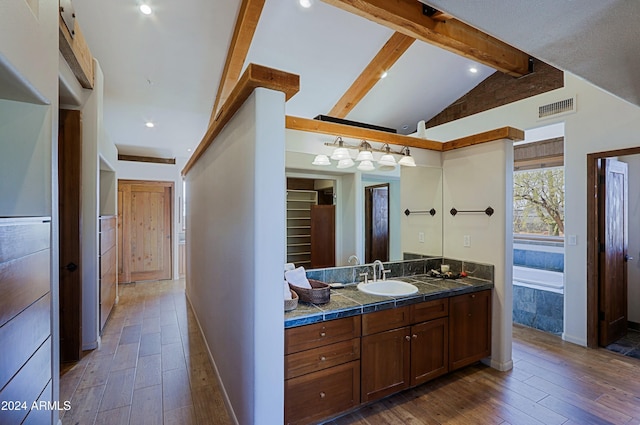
x,y
574,340
225,396
501,366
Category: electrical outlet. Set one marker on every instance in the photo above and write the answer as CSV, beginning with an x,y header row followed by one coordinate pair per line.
x,y
467,241
421,237
572,240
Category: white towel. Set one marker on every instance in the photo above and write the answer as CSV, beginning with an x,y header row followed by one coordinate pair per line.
x,y
298,277
287,291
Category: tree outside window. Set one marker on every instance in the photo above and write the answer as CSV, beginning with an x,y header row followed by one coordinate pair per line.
x,y
538,199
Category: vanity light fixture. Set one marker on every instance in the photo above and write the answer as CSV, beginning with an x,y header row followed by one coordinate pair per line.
x,y
145,9
321,160
345,163
406,160
366,165
364,153
387,159
340,152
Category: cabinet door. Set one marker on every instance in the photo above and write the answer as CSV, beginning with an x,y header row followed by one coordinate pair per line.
x,y
319,395
386,364
429,350
469,328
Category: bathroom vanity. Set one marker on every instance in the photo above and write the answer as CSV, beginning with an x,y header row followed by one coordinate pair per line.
x,y
359,348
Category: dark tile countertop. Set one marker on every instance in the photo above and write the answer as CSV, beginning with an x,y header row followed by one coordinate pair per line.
x,y
348,301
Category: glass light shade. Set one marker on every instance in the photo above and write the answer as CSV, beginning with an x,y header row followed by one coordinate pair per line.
x,y
364,156
321,160
345,163
407,161
340,153
387,167
366,165
387,160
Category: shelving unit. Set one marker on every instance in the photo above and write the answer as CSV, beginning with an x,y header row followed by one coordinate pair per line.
x,y
299,204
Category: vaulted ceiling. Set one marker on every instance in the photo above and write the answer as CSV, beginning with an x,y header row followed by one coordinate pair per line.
x,y
165,67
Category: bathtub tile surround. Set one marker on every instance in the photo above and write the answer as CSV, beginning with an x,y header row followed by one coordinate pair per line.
x,y
543,310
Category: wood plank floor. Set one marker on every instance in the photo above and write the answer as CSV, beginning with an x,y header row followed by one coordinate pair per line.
x,y
552,382
152,367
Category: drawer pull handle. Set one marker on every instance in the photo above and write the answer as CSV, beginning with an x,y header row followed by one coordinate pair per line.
x,y
322,358
469,314
408,338
473,296
414,336
322,394
323,334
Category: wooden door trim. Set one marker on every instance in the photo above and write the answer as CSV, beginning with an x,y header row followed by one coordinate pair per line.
x,y
593,241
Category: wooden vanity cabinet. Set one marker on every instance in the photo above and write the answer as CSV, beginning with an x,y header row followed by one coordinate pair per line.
x,y
322,370
469,328
409,347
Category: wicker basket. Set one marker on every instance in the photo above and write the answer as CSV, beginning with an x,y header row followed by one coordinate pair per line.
x,y
291,304
318,294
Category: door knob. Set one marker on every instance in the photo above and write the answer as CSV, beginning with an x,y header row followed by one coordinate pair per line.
x,y
72,267
627,258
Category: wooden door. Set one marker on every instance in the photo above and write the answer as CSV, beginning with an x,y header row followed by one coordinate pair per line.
x,y
385,360
323,236
144,230
429,350
612,234
69,203
377,223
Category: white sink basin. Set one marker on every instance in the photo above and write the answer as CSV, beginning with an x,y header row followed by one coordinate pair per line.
x,y
392,288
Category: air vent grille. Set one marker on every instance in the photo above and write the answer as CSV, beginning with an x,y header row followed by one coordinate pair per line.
x,y
560,107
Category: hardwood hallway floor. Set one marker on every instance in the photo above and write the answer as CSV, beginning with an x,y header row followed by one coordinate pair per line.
x,y
552,382
152,367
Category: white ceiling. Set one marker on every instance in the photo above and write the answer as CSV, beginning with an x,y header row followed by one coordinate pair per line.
x,y
166,67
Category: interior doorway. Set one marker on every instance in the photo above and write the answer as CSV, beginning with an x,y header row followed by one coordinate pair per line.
x,y
70,204
608,259
376,223
144,230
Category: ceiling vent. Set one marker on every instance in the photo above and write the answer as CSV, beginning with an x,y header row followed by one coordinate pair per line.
x,y
561,107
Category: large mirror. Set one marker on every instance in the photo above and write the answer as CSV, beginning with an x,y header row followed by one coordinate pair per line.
x,y
368,209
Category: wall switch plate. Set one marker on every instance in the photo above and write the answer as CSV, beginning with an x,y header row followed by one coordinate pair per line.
x,y
572,240
467,241
421,237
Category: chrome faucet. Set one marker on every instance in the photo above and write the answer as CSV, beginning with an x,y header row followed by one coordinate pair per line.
x,y
377,263
355,259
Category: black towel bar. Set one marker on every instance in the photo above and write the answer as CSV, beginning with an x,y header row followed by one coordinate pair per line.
x,y
432,212
489,211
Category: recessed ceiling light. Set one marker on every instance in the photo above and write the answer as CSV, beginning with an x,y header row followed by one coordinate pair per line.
x,y
473,70
305,3
384,75
189,150
149,124
145,8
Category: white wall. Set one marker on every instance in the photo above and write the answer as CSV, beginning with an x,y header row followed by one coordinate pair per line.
x,y
421,190
602,123
475,178
633,249
235,246
129,170
29,46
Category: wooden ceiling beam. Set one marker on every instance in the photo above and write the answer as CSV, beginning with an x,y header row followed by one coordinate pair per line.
x,y
253,77
76,52
343,130
406,16
509,133
245,28
383,61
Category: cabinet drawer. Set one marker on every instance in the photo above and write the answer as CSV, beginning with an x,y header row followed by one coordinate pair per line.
x,y
429,310
320,358
385,320
322,394
319,334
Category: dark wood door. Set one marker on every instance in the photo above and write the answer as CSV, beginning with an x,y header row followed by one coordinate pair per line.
x,y
469,328
69,203
429,350
376,223
323,236
144,230
385,359
612,224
